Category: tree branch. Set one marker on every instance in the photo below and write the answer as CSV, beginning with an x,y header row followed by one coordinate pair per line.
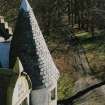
x,y
79,94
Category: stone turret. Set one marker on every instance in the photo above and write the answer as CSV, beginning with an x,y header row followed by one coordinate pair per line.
x,y
29,45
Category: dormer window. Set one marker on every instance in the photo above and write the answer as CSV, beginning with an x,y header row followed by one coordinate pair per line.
x,y
53,94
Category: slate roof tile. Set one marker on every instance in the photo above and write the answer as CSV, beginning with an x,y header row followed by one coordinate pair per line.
x,y
40,67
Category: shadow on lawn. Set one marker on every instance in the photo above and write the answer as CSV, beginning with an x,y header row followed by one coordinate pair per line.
x,y
96,42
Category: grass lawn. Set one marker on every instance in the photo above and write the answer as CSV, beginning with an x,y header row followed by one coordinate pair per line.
x,y
65,86
95,51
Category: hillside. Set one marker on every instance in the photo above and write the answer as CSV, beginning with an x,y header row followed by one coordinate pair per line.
x,y
95,51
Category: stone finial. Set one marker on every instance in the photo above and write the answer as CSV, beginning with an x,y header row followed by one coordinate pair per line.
x,y
18,68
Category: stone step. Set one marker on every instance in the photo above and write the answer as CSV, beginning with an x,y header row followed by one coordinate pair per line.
x,y
9,30
6,25
2,19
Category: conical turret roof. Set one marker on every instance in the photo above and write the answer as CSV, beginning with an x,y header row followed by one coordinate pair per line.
x,y
29,45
